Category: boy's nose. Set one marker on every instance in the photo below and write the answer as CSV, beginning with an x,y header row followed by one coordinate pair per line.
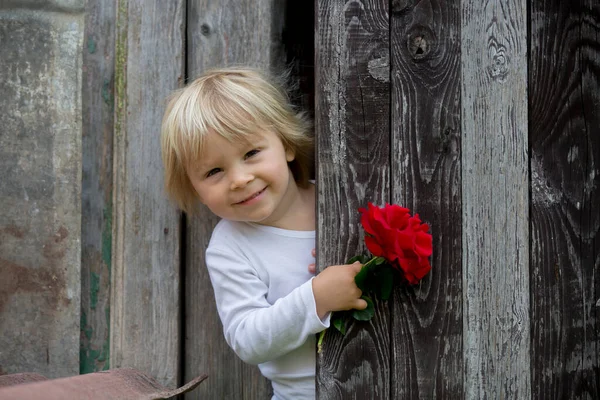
x,y
240,179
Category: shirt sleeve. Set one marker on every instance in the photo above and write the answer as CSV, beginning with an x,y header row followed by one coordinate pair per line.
x,y
256,330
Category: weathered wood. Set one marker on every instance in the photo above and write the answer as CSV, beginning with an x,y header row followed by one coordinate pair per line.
x,y
40,169
145,299
427,319
234,32
495,200
353,167
97,183
222,33
564,98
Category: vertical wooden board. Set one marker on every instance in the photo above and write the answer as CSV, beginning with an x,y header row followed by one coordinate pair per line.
x,y
40,187
234,32
564,121
352,126
145,300
97,183
495,200
222,33
426,177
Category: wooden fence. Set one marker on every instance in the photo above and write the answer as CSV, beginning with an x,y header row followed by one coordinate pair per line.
x,y
483,117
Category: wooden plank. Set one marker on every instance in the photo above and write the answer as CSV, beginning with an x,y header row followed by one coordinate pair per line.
x,y
564,121
40,189
495,200
352,126
145,299
426,139
97,183
230,32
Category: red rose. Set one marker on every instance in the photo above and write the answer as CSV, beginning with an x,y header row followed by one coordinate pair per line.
x,y
399,238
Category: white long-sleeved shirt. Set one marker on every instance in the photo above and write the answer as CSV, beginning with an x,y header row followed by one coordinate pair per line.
x,y
264,297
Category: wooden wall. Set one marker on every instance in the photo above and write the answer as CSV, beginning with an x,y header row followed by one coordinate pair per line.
x,y
482,117
485,119
147,300
40,186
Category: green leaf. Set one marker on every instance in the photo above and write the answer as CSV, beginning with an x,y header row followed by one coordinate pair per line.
x,y
361,258
340,325
379,260
385,282
354,259
364,279
361,278
367,313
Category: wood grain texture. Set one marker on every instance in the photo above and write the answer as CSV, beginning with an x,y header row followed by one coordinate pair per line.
x,y
40,189
222,33
426,177
564,121
352,127
495,200
97,183
233,32
145,299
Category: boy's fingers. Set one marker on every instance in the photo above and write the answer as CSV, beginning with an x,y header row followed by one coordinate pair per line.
x,y
313,253
312,268
361,304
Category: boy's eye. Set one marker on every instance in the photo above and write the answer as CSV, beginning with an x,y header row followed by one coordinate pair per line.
x,y
212,172
251,153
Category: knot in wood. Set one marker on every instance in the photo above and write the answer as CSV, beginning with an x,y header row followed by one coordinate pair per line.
x,y
205,29
399,6
420,41
498,70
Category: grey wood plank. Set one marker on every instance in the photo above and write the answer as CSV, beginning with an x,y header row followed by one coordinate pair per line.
x,y
40,189
427,326
495,200
564,121
146,281
97,183
353,167
222,33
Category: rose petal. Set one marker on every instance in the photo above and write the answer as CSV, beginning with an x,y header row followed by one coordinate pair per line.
x,y
397,216
373,246
423,244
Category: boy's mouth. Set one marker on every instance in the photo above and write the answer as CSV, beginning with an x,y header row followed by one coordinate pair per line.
x,y
251,197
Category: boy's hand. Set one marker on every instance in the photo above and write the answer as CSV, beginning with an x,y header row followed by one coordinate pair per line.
x,y
335,290
312,268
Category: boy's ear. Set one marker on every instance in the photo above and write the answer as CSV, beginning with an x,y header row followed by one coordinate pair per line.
x,y
290,155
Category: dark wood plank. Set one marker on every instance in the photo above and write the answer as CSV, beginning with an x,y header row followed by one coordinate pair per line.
x,y
145,302
564,121
495,200
426,144
352,127
217,36
97,183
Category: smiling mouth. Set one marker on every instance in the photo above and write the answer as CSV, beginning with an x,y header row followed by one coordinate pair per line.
x,y
251,197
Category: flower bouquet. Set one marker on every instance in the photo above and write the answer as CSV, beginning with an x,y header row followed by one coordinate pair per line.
x,y
400,246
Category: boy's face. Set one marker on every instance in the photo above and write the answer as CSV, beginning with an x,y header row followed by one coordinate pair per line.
x,y
245,181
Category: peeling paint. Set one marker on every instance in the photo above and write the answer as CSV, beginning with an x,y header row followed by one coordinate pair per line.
x,y
94,288
106,346
90,359
107,94
91,44
107,237
85,328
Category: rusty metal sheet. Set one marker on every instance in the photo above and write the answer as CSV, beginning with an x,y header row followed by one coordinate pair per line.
x,y
117,384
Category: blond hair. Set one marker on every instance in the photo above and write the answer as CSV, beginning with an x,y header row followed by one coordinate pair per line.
x,y
234,103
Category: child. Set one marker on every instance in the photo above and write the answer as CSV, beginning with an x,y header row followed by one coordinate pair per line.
x,y
231,140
